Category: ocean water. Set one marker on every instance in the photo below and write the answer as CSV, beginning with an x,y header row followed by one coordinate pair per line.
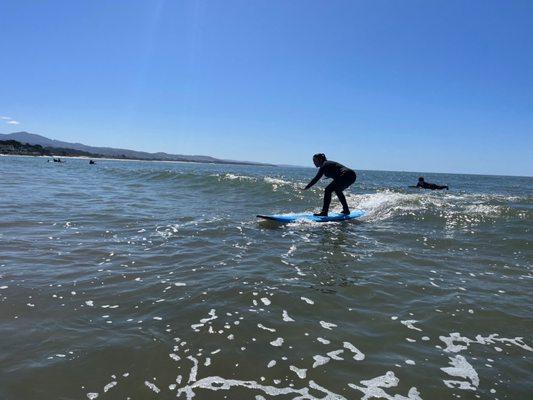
x,y
144,280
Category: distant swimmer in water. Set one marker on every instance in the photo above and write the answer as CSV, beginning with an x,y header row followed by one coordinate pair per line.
x,y
91,162
422,184
342,177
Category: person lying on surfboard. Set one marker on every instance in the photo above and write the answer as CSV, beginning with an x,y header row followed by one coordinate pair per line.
x,y
342,177
426,185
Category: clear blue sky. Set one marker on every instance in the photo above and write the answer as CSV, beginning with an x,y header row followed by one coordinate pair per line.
x,y
444,86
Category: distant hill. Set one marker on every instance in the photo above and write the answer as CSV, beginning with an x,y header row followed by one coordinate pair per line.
x,y
34,139
14,147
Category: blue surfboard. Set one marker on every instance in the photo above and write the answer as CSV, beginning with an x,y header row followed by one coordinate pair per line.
x,y
332,217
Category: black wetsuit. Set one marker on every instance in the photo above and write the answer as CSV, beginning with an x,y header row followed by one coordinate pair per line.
x,y
431,186
342,177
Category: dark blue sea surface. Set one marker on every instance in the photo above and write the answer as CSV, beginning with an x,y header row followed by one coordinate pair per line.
x,y
147,280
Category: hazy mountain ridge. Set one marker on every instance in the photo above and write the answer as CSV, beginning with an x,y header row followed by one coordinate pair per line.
x,y
34,139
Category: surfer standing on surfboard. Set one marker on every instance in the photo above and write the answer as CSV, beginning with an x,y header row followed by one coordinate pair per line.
x,y
342,177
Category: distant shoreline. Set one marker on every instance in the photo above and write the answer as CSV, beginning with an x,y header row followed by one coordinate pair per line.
x,y
95,159
25,143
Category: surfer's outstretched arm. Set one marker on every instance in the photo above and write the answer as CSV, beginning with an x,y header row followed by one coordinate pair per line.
x,y
315,179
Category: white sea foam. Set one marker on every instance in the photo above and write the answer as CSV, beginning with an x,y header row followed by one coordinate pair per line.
x,y
327,325
320,360
308,301
410,323
203,321
464,342
194,369
109,386
517,341
276,182
278,342
266,328
384,204
298,371
483,209
215,383
234,177
292,249
152,386
466,208
334,355
358,355
286,317
461,368
373,388
451,347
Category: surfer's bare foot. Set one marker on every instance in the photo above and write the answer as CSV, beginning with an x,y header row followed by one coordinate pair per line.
x,y
321,214
345,212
